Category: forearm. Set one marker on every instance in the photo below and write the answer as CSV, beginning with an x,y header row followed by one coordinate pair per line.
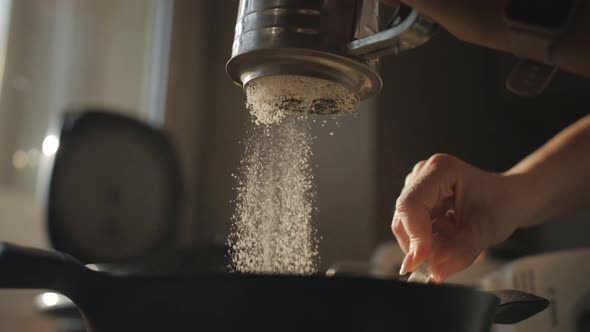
x,y
555,180
572,51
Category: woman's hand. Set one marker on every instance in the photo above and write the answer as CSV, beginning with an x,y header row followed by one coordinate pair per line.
x,y
449,211
479,22
483,22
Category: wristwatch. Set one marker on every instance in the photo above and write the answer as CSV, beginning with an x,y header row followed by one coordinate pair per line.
x,y
535,26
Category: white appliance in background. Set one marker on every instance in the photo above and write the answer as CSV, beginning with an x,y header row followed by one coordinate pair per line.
x,y
561,277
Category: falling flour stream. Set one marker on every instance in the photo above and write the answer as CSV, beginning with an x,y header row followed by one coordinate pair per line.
x,y
272,225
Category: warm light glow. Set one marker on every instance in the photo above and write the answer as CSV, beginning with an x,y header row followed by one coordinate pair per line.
x,y
50,145
50,299
20,159
34,156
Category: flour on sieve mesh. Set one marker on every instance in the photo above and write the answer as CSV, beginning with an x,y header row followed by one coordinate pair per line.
x,y
270,98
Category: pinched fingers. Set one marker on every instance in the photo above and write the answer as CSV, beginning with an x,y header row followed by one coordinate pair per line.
x,y
429,186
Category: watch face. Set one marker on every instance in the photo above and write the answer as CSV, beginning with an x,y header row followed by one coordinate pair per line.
x,y
550,14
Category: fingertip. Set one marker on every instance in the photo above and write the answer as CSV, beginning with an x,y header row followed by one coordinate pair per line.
x,y
421,252
407,263
439,279
443,271
439,275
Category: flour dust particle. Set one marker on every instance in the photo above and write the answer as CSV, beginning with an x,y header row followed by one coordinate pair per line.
x,y
272,228
272,225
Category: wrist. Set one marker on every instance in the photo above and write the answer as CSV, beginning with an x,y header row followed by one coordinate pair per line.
x,y
526,197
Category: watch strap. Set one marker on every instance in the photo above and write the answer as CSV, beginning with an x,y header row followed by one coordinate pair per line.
x,y
530,78
534,70
534,44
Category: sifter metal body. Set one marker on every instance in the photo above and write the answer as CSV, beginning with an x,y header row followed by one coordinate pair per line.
x,y
336,40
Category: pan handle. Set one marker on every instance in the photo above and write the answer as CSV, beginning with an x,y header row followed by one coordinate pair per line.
x,y
29,268
516,306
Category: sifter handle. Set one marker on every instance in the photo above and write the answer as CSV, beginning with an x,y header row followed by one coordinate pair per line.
x,y
411,32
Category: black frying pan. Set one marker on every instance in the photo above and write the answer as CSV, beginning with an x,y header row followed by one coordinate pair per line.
x,y
232,302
